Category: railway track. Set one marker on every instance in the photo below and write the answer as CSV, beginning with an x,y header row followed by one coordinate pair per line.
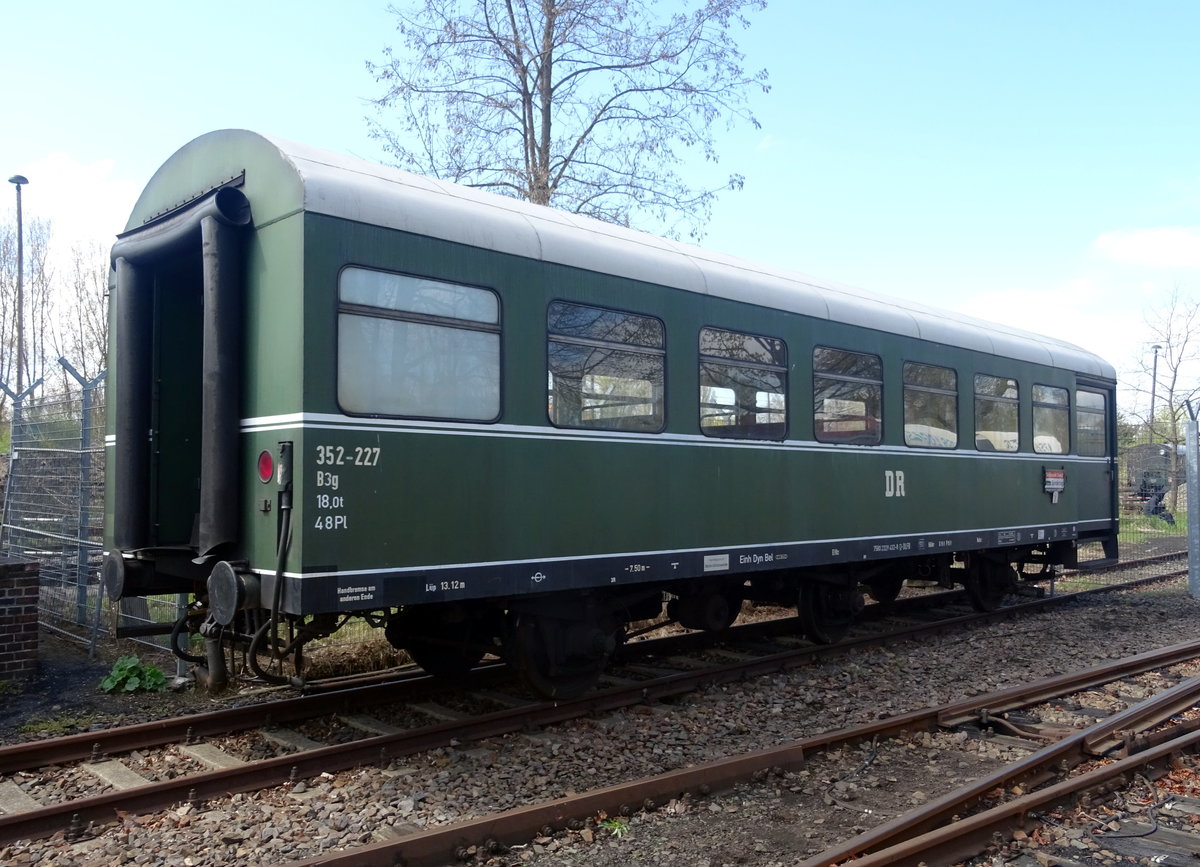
x,y
942,832
201,767
1072,761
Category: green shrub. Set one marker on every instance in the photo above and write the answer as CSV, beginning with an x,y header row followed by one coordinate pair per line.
x,y
130,675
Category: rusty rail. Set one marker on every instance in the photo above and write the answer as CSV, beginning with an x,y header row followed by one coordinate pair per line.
x,y
383,748
436,846
969,836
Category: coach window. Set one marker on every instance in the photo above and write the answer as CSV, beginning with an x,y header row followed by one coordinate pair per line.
x,y
410,346
1091,412
930,406
605,369
847,396
997,410
1051,420
743,385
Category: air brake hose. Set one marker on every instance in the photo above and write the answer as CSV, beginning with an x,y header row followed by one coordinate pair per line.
x,y
285,538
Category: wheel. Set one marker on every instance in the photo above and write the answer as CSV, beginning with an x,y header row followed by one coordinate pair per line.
x,y
711,611
559,659
827,611
988,583
446,643
885,590
449,660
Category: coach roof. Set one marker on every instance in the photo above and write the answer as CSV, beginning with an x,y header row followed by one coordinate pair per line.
x,y
283,178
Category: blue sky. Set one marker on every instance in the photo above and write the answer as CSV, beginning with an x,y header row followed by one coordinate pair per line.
x,y
1030,161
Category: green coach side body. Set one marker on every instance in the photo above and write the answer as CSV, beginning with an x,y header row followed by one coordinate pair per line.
x,y
386,510
445,510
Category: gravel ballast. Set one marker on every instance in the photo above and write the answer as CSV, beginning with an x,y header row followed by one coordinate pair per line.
x,y
777,822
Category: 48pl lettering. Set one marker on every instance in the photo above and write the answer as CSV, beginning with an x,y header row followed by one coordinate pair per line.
x,y
338,456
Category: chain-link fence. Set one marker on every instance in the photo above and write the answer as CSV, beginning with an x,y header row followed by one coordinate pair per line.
x,y
1154,499
54,496
53,478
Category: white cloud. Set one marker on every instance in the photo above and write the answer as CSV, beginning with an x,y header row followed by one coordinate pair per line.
x,y
1166,247
1069,312
1103,313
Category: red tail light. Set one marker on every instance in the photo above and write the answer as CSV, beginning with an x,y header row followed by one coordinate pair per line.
x,y
266,466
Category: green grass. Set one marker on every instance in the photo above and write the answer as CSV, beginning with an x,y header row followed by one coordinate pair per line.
x,y
58,727
1135,527
617,826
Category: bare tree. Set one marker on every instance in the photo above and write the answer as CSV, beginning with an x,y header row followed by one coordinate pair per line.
x,y
584,105
36,288
8,307
65,298
1170,375
39,300
81,306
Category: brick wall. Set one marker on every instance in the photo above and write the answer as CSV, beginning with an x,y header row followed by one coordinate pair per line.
x,y
18,619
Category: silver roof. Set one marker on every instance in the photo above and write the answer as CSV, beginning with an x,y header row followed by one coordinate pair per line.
x,y
355,189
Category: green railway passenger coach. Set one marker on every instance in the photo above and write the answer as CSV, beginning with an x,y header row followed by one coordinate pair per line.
x,y
340,388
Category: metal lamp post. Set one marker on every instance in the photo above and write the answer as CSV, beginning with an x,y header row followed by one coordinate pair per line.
x,y
19,180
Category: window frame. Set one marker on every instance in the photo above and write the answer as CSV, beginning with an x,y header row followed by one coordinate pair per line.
x,y
429,320
1046,406
1001,400
612,346
951,392
1102,413
819,373
778,366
